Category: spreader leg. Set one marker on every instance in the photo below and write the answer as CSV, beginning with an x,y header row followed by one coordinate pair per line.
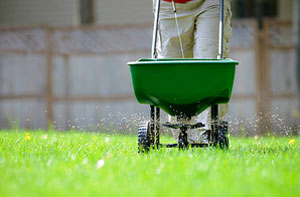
x,y
152,124
182,139
214,124
157,125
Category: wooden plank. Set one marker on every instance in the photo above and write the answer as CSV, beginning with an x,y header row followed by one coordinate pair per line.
x,y
113,52
282,48
67,88
126,97
76,53
102,27
258,48
14,51
49,67
284,95
94,98
262,79
265,80
243,97
75,27
21,27
279,22
240,49
20,97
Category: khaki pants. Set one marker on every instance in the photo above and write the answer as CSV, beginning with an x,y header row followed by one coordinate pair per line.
x,y
198,22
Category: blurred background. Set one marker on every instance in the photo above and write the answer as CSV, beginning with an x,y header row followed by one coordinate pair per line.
x,y
63,64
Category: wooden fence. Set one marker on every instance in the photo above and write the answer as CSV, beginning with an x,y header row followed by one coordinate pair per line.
x,y
60,66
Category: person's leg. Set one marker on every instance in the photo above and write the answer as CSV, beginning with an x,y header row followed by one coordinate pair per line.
x,y
168,45
168,40
206,44
206,33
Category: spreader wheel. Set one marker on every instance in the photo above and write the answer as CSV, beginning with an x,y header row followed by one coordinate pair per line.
x,y
223,135
144,137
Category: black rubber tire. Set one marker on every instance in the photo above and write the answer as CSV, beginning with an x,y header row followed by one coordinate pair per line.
x,y
223,135
144,141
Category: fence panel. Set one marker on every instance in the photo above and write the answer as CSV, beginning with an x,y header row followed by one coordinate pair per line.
x,y
283,79
77,77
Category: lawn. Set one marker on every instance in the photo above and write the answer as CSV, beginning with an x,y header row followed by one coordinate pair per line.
x,y
90,164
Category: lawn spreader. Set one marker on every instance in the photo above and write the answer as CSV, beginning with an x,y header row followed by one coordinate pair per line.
x,y
182,88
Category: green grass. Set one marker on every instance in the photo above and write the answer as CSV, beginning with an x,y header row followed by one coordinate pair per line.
x,y
65,164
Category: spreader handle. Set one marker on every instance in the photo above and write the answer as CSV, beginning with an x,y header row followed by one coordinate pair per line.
x,y
154,38
221,30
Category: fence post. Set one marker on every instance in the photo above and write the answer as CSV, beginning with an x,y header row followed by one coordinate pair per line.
x,y
66,82
298,52
266,78
263,94
258,81
48,93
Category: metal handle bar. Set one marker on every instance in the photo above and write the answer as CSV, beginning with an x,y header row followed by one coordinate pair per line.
x,y
154,38
221,30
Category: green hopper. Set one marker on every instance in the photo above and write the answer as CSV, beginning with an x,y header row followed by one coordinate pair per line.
x,y
183,87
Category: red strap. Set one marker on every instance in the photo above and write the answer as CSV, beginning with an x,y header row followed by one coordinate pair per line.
x,y
179,1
